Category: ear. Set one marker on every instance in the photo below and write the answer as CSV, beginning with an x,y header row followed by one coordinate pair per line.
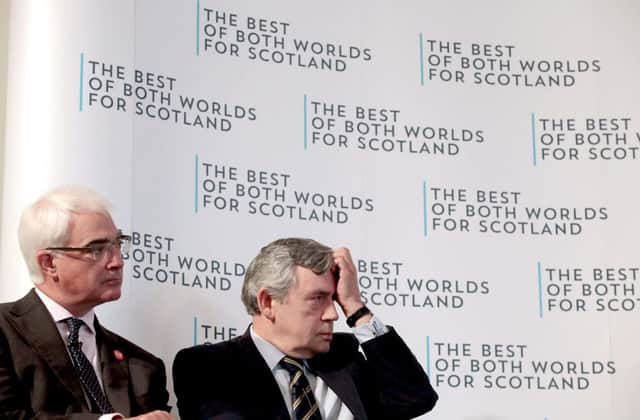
x,y
47,265
265,304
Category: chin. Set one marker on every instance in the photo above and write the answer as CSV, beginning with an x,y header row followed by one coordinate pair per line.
x,y
111,295
323,348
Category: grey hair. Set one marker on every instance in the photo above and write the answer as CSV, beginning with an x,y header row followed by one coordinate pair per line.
x,y
46,222
273,268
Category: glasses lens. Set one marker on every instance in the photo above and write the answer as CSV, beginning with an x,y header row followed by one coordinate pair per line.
x,y
98,251
125,244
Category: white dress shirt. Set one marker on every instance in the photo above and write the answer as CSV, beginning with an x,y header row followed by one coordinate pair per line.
x,y
331,406
86,335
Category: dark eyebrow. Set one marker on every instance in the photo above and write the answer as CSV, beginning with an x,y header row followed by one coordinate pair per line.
x,y
320,292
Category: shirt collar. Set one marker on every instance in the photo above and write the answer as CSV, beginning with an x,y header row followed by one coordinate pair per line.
x,y
60,313
270,353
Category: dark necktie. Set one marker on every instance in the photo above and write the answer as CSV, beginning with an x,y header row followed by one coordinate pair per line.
x,y
304,403
85,369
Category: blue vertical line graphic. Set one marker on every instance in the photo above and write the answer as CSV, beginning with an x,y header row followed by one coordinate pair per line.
x,y
195,330
198,27
424,208
429,356
533,137
540,289
195,190
81,79
421,60
305,121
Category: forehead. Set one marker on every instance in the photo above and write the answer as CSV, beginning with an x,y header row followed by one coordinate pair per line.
x,y
87,226
309,282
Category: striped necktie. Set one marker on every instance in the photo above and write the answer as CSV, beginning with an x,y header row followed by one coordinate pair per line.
x,y
304,403
84,368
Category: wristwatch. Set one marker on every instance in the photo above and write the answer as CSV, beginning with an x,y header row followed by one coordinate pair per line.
x,y
351,321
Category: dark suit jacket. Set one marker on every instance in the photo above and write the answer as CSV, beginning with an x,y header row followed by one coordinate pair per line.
x,y
37,378
231,380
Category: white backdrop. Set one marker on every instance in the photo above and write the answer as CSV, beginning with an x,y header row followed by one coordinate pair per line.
x,y
477,159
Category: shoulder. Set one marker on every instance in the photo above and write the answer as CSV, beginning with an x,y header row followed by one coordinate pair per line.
x,y
226,351
20,306
5,309
192,366
5,314
29,308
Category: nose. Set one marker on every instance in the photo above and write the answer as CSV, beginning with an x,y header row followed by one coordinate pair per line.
x,y
115,259
330,313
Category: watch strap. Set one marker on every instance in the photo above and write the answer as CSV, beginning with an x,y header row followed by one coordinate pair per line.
x,y
351,320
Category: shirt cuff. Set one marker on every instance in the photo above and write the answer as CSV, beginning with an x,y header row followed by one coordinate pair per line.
x,y
372,329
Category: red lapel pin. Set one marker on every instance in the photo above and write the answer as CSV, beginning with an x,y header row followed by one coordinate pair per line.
x,y
118,355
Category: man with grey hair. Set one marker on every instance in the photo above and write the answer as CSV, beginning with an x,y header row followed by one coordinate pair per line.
x,y
56,359
289,364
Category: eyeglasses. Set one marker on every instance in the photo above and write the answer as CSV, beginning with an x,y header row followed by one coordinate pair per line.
x,y
96,251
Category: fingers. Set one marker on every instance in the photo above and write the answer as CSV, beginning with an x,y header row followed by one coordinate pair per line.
x,y
347,291
342,255
153,415
344,263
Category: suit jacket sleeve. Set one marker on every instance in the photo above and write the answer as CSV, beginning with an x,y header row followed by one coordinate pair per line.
x,y
150,392
402,387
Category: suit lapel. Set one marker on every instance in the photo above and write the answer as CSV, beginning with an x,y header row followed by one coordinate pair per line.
x,y
33,322
261,380
115,370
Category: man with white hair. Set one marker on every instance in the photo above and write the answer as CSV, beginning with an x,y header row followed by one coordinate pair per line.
x,y
56,359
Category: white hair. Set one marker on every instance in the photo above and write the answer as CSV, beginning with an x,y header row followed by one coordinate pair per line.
x,y
46,222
